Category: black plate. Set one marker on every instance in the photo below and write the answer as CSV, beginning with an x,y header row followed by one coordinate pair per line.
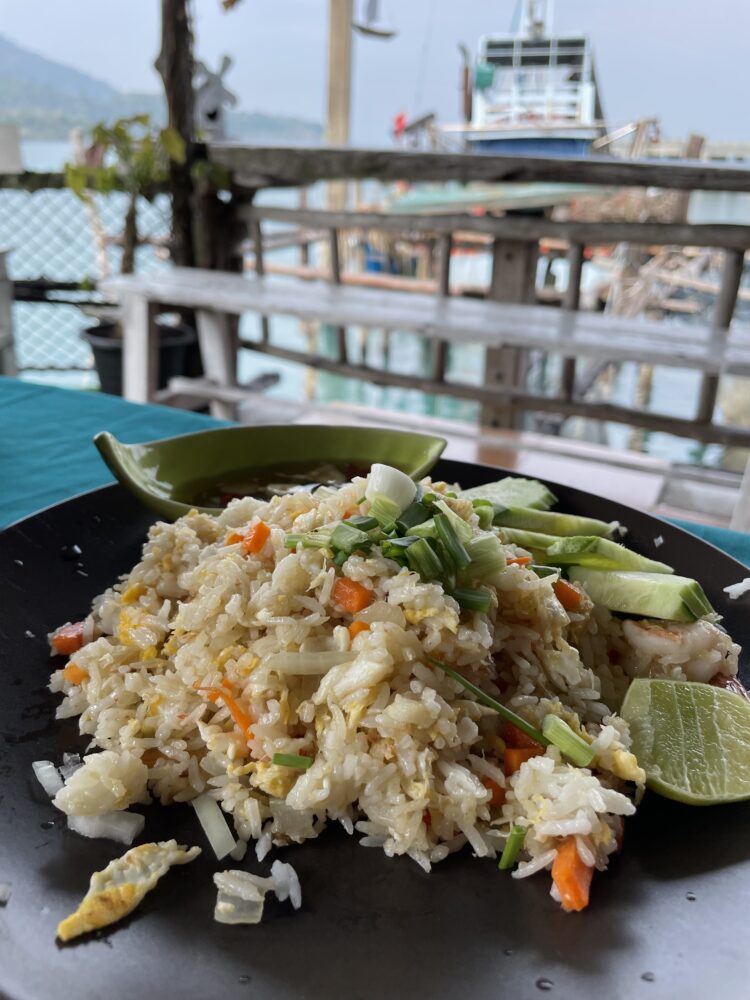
x,y
673,907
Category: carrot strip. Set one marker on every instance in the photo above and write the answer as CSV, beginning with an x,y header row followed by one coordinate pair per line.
x,y
571,876
518,739
68,639
241,719
515,756
568,595
256,537
356,627
75,674
519,561
233,538
352,596
498,792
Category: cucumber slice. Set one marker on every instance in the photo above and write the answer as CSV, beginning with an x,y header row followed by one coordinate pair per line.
x,y
653,595
513,492
534,541
549,522
600,553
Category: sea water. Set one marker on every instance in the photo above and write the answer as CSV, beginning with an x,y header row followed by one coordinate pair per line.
x,y
674,391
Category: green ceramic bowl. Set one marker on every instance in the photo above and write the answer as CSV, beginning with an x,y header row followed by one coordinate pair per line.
x,y
163,474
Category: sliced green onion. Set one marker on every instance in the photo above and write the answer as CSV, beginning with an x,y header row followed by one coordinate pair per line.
x,y
414,514
576,749
318,539
340,558
347,539
453,545
361,501
292,760
450,494
542,571
389,491
429,499
472,600
461,527
362,521
426,529
485,513
506,713
487,556
424,560
512,848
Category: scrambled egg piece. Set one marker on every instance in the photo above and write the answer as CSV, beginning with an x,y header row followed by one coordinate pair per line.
x,y
116,891
273,779
133,592
625,766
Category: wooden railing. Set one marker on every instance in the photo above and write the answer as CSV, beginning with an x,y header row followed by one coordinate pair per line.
x,y
513,241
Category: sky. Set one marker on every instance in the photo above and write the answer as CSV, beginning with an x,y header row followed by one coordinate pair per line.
x,y
684,61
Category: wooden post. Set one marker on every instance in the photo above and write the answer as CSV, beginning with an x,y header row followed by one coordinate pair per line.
x,y
140,349
260,271
175,66
7,353
731,276
693,149
440,347
572,301
333,246
339,87
513,280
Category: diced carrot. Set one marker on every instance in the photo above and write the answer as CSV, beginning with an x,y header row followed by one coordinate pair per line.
x,y
68,639
571,876
356,627
518,739
519,561
568,595
498,792
256,537
233,538
352,596
74,673
515,756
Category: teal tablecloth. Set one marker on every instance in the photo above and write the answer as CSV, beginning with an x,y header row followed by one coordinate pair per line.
x,y
46,454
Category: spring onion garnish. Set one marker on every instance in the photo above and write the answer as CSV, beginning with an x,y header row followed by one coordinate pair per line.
x,y
542,571
292,760
512,848
424,560
390,492
461,527
487,557
472,600
452,543
340,558
485,512
362,521
576,749
395,548
415,513
507,713
346,538
318,539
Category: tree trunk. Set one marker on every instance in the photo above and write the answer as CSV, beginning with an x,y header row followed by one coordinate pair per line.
x,y
130,237
175,66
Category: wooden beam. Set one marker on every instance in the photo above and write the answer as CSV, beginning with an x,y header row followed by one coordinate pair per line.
x,y
571,301
514,227
726,300
679,426
269,166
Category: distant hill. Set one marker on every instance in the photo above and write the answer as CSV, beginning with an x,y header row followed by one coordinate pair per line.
x,y
47,99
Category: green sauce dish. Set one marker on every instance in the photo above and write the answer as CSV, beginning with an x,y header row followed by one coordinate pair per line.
x,y
205,470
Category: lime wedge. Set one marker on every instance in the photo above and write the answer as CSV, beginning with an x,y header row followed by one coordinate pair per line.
x,y
692,740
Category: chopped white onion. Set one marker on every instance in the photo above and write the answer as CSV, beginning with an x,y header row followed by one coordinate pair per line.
x,y
71,763
123,827
381,611
307,663
5,890
287,883
214,825
736,590
49,777
396,486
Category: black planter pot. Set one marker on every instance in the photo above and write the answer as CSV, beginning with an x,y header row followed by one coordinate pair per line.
x,y
178,354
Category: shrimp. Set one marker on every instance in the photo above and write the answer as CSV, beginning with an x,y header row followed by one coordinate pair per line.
x,y
661,649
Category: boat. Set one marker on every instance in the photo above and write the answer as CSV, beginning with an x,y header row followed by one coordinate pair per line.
x,y
530,92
